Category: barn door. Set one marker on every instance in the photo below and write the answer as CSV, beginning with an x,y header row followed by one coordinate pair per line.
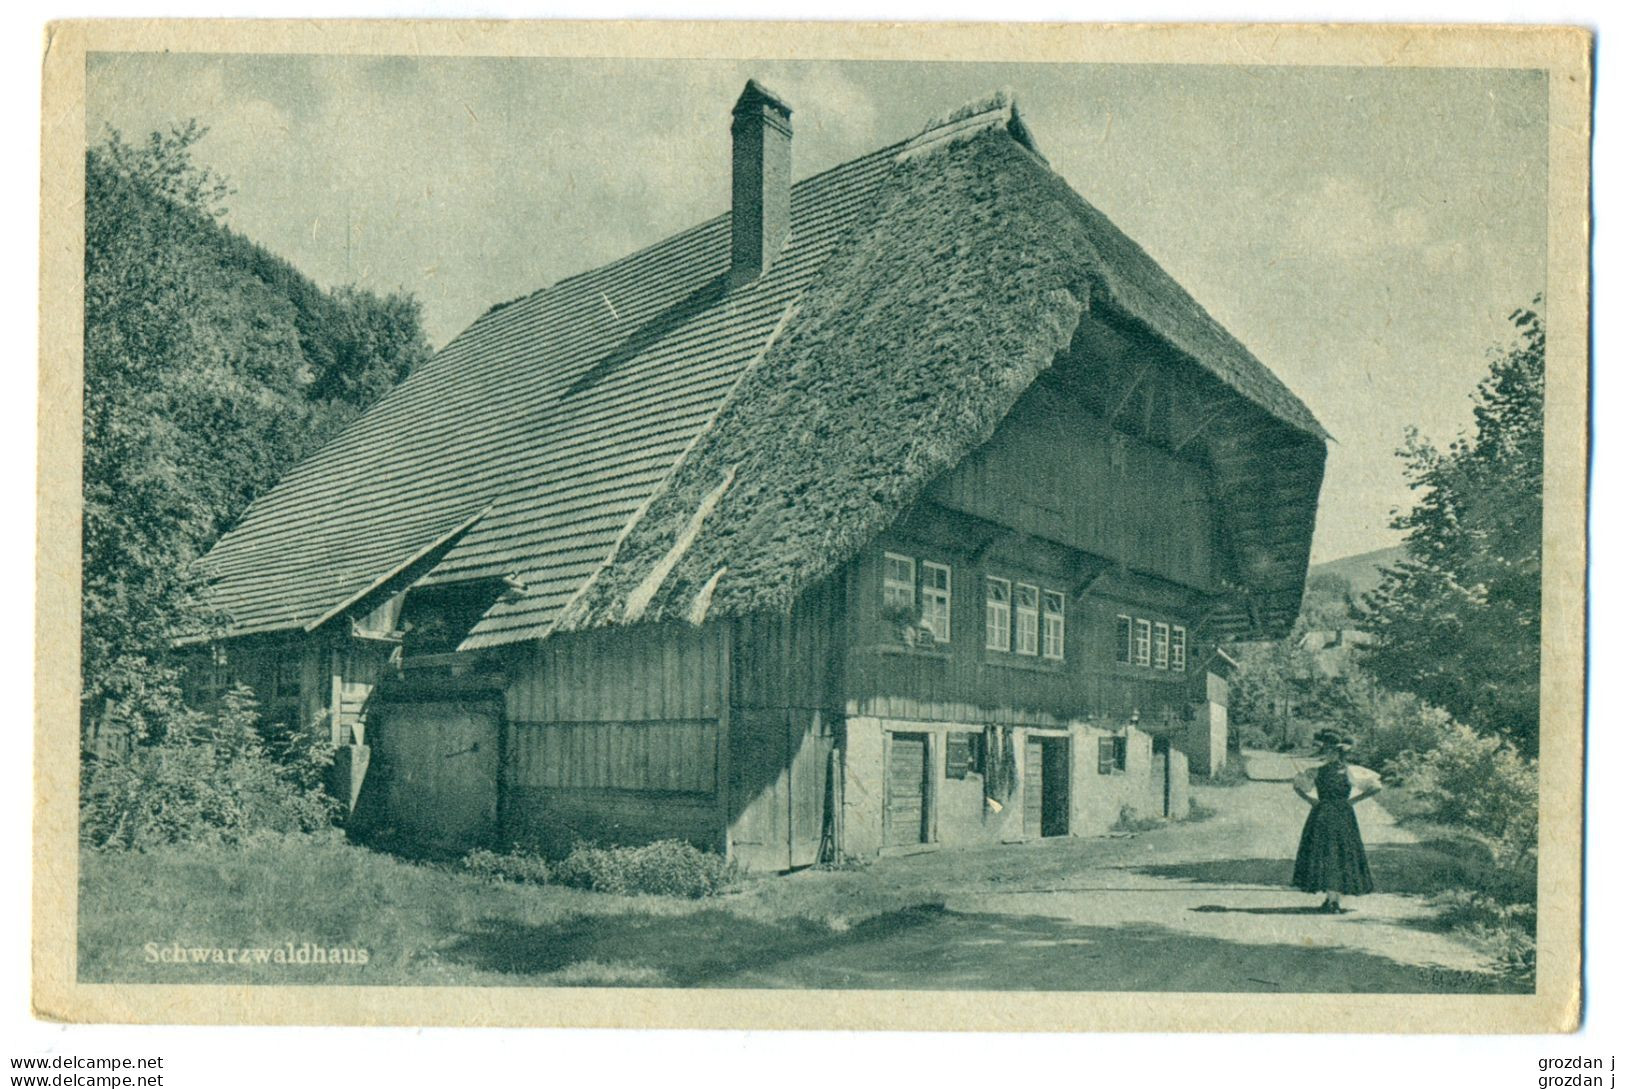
x,y
809,783
907,774
779,776
434,772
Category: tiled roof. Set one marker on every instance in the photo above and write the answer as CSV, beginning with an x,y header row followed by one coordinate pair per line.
x,y
560,412
560,415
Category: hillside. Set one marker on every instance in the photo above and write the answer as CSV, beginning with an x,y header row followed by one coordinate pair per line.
x,y
1363,571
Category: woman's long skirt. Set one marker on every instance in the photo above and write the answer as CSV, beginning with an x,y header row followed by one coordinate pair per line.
x,y
1331,855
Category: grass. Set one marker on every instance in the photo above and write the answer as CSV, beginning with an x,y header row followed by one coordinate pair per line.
x,y
438,923
1486,905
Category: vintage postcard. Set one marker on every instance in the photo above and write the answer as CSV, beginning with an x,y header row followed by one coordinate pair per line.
x,y
813,525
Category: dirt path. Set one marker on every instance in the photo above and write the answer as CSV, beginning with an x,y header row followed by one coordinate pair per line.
x,y
1201,906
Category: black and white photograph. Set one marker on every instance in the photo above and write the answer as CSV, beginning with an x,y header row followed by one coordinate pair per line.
x,y
714,526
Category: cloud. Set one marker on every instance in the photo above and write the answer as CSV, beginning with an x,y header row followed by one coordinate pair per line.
x,y
1347,219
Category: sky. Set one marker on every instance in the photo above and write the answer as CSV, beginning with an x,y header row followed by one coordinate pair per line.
x,y
1364,231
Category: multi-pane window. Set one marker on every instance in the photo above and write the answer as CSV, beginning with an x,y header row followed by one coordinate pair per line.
x,y
1054,625
1142,641
898,588
1026,619
998,613
936,599
1153,643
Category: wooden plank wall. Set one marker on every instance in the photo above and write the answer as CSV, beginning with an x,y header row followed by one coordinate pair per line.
x,y
616,736
1056,471
362,665
678,755
639,674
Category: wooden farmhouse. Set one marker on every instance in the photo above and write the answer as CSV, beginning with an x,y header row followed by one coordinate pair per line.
x,y
903,505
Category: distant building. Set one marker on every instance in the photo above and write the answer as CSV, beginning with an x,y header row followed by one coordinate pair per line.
x,y
904,505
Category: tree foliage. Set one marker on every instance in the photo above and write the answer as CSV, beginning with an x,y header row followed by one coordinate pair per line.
x,y
1457,621
210,367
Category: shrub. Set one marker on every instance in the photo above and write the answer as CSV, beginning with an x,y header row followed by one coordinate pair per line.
x,y
1232,774
1389,725
1200,812
210,779
517,865
1483,785
666,868
1129,820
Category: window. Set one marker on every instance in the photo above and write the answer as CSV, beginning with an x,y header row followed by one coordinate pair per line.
x,y
1054,625
963,755
1142,641
1159,647
1176,656
898,588
1026,619
1125,639
936,599
998,613
1113,755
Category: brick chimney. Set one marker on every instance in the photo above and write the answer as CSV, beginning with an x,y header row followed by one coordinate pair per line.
x,y
761,168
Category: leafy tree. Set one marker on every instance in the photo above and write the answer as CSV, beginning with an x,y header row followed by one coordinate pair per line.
x,y
211,367
1457,622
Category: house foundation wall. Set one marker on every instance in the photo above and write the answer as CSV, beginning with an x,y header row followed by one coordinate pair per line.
x,y
957,811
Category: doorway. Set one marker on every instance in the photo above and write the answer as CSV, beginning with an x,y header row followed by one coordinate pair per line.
x,y
1047,799
907,778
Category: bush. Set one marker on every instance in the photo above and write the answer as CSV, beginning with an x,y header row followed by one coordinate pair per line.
x,y
517,865
208,780
1389,725
1483,785
1233,774
665,868
1129,820
1199,812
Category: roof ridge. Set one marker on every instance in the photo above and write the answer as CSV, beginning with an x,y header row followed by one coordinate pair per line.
x,y
996,109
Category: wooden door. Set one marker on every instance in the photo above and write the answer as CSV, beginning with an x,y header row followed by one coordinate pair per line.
x,y
1032,796
906,781
809,783
434,769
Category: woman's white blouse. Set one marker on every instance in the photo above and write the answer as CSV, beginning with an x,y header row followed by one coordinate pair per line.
x,y
1361,780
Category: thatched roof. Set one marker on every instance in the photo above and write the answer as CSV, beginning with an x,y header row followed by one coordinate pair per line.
x,y
651,444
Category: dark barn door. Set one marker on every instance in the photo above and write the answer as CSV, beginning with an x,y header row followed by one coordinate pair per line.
x,y
433,777
906,777
1046,799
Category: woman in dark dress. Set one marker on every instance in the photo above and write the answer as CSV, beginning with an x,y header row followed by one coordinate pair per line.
x,y
1331,855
